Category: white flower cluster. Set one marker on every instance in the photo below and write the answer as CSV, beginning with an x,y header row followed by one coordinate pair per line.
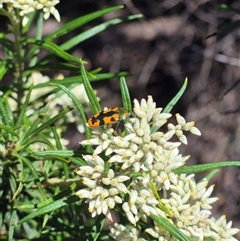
x,y
103,188
28,6
140,164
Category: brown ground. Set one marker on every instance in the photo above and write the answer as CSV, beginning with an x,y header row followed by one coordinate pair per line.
x,y
160,50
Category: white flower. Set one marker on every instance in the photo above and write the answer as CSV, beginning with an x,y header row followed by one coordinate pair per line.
x,y
28,6
224,229
143,146
103,187
128,233
183,126
190,204
146,153
141,203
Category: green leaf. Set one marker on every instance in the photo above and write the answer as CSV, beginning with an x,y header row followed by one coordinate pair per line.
x,y
3,68
212,173
126,99
38,36
8,130
67,81
24,108
176,98
81,111
19,189
46,218
44,125
172,103
76,23
174,231
26,134
205,167
54,49
98,227
51,121
46,209
13,221
41,139
60,200
78,161
157,196
4,114
79,107
6,43
56,137
55,134
54,153
25,161
93,101
94,31
44,66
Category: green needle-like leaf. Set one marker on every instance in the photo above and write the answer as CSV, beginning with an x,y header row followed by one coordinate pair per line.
x,y
174,231
205,167
76,23
93,101
54,153
176,98
8,129
54,49
60,200
24,108
4,115
67,81
94,31
79,107
13,221
126,99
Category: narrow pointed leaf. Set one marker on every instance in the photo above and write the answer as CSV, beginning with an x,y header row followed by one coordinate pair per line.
x,y
54,153
205,167
24,108
94,31
54,49
174,231
176,98
67,81
76,23
60,200
4,115
93,101
126,99
50,122
78,105
8,129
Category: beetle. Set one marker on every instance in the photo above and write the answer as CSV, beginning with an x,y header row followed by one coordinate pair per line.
x,y
108,117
